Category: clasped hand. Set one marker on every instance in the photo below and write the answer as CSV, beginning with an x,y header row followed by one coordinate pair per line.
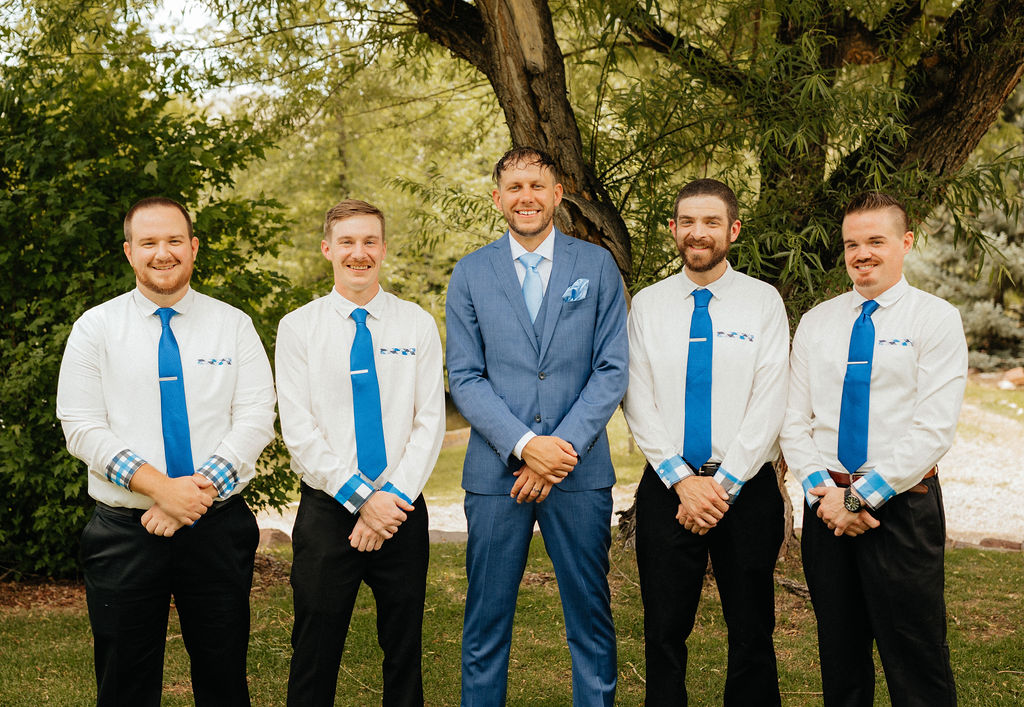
x,y
178,502
379,519
702,503
839,520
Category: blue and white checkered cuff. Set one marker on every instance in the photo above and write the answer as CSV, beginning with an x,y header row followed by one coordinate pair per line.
x,y
220,471
122,468
813,480
730,483
391,488
354,493
672,470
873,489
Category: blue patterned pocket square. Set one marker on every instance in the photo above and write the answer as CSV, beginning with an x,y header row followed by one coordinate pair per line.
x,y
576,291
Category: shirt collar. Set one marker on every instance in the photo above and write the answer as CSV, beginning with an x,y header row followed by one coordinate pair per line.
x,y
887,298
717,288
345,307
148,307
546,249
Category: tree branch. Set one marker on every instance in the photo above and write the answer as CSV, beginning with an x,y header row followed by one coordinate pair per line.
x,y
456,25
649,33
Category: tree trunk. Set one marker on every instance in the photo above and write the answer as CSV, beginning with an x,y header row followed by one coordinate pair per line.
x,y
513,43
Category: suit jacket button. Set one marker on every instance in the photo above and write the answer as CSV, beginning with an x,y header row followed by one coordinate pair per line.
x,y
536,418
542,375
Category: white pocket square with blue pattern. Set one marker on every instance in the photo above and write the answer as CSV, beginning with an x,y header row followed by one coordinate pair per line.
x,y
576,291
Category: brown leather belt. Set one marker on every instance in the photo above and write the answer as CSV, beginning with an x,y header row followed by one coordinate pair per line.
x,y
843,479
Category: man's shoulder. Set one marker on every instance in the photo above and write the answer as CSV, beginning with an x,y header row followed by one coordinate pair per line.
x,y
112,307
480,255
407,310
825,311
667,287
586,249
752,286
309,309
225,315
933,303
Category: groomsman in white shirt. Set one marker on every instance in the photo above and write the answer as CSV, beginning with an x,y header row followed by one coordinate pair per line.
x,y
707,385
167,395
362,411
877,377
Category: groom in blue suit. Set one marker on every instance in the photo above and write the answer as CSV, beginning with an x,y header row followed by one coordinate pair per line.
x,y
537,362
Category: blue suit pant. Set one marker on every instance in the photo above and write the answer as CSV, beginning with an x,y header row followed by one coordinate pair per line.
x,y
576,527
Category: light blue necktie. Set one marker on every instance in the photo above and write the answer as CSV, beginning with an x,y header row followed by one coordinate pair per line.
x,y
853,415
173,412
370,452
533,288
697,432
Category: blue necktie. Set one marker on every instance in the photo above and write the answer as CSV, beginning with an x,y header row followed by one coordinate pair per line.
x,y
371,455
853,415
173,412
533,288
697,433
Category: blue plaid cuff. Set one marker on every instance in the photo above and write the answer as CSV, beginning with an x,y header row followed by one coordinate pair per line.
x,y
122,467
354,493
813,480
730,483
672,470
873,489
220,471
391,488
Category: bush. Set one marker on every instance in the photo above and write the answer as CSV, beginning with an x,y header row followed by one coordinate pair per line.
x,y
81,139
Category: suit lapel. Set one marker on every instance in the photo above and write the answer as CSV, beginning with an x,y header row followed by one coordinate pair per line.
x,y
508,282
563,266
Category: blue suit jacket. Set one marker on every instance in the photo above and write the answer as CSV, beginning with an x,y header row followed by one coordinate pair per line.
x,y
505,381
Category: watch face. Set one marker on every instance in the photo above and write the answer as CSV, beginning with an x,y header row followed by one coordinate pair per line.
x,y
851,502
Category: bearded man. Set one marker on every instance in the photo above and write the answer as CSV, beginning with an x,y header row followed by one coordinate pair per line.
x,y
707,391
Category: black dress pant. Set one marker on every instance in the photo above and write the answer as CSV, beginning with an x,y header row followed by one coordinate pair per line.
x,y
326,573
885,585
743,548
130,577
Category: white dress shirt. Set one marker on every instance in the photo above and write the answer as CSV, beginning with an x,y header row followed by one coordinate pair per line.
x,y
315,390
918,373
546,250
108,395
748,374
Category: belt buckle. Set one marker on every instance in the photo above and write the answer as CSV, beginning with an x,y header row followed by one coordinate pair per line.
x,y
708,469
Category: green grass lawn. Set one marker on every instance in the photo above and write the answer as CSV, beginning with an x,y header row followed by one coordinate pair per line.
x,y
45,653
1008,403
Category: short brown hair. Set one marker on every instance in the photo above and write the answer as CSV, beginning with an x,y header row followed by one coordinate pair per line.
x,y
149,202
709,187
876,201
349,208
524,155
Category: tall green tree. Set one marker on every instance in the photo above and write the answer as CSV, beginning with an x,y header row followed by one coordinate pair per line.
x,y
82,137
799,103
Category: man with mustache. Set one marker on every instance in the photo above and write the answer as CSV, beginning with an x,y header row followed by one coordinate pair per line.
x,y
877,377
167,395
362,412
707,387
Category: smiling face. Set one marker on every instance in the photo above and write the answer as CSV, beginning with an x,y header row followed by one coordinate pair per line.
x,y
874,244
527,196
161,253
703,233
355,246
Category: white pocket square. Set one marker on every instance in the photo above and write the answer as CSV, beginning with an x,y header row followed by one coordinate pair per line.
x,y
576,291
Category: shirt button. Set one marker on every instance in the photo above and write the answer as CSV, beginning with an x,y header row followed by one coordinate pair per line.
x,y
536,418
542,375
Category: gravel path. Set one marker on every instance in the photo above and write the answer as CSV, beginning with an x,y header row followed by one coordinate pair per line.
x,y
978,474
